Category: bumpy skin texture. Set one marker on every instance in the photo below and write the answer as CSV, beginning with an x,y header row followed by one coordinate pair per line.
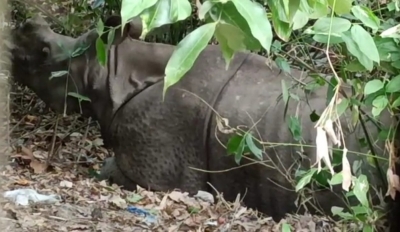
x,y
156,142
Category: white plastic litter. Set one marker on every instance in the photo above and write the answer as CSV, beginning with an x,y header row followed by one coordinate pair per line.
x,y
23,196
205,196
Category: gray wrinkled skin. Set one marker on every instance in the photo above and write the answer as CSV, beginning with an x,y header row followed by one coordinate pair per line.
x,y
156,142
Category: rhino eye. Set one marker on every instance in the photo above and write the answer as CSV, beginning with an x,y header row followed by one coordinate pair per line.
x,y
45,51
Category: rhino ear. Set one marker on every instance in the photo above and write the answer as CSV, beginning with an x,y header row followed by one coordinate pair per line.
x,y
132,29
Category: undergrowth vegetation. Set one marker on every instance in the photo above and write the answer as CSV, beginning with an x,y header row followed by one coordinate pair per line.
x,y
337,41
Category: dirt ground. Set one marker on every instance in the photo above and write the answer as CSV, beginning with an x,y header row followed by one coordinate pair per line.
x,y
58,158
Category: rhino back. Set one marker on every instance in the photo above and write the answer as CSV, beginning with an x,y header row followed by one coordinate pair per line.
x,y
156,142
251,98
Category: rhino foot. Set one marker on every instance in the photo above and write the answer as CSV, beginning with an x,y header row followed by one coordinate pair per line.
x,y
110,171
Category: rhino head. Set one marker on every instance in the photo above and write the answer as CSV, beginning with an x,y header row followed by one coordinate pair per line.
x,y
37,53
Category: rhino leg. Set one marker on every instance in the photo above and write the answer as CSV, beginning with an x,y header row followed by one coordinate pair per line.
x,y
110,171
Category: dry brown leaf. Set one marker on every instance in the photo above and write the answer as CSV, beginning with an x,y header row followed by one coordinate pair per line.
x,y
26,152
346,171
323,150
23,182
394,184
37,166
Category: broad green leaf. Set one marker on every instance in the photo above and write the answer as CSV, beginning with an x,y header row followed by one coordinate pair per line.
x,y
285,92
393,85
257,20
229,14
379,104
100,27
361,189
339,25
336,179
155,16
325,38
80,97
280,23
286,227
319,9
373,86
366,16
293,7
101,51
341,108
252,146
205,8
300,19
306,179
58,74
353,48
341,6
339,211
132,8
354,66
180,10
229,44
80,49
110,38
365,42
282,64
186,53
236,145
295,127
396,103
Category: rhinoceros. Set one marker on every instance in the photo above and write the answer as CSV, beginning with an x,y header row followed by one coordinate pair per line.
x,y
179,142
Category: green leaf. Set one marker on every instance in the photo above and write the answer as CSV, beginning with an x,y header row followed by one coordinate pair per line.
x,y
295,127
80,97
339,211
101,51
373,86
132,8
306,179
229,44
300,19
360,189
365,42
58,74
257,19
282,64
186,53
396,103
324,39
134,198
285,92
80,50
393,85
100,27
180,10
164,12
339,25
252,146
341,108
205,8
353,48
282,29
379,104
110,37
366,16
341,6
236,145
229,14
155,16
336,179
285,227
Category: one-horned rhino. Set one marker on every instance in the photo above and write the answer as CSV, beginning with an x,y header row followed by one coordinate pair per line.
x,y
157,142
